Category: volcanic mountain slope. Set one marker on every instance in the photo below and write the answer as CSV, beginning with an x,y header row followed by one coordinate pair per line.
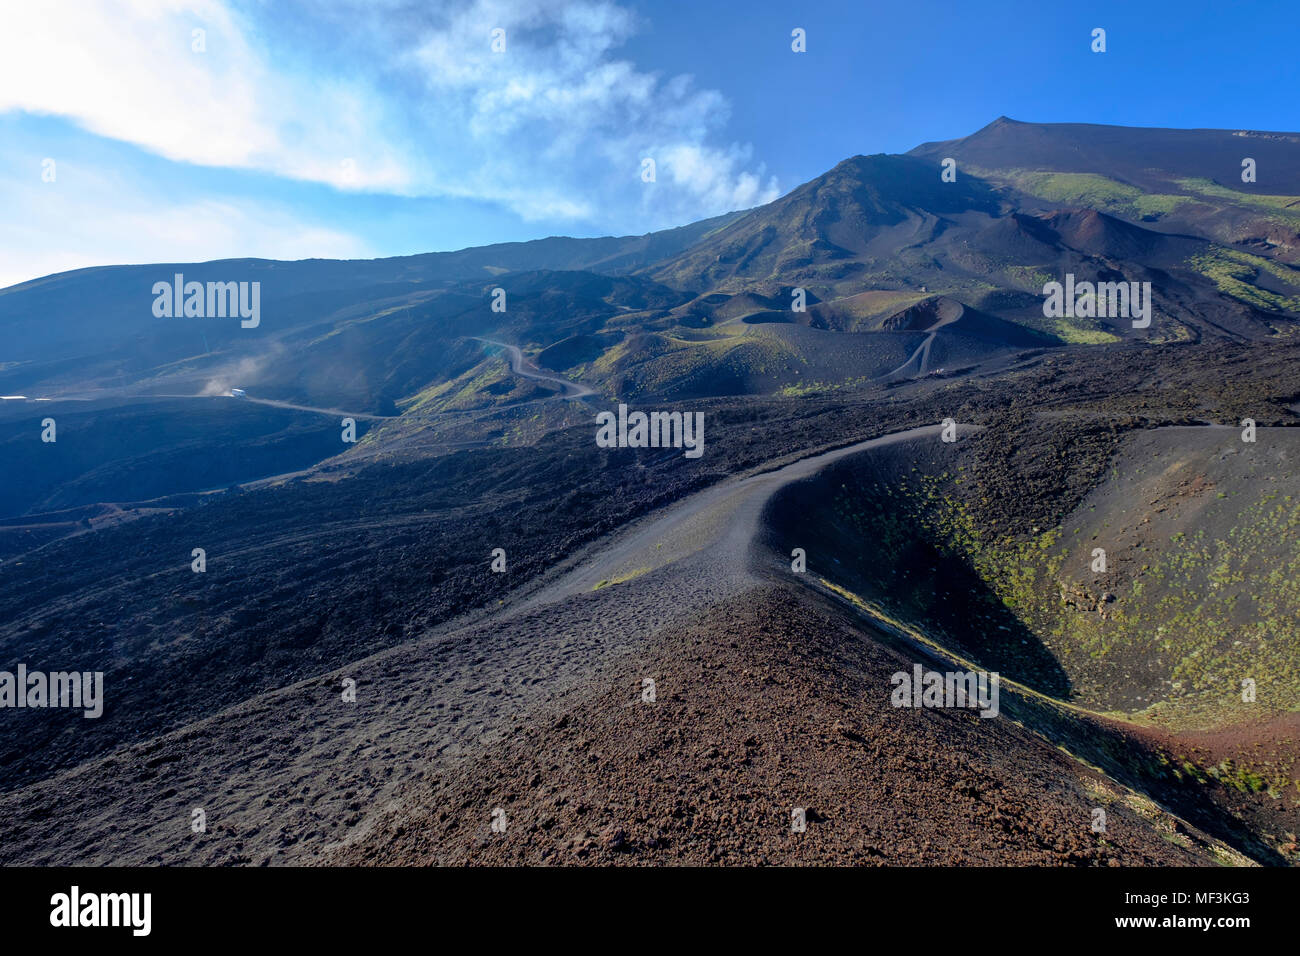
x,y
82,313
1179,180
766,699
824,229
869,239
887,225
1149,157
359,349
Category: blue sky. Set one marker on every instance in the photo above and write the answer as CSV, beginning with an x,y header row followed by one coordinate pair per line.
x,y
344,128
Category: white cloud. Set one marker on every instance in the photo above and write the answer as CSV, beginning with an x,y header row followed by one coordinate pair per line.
x,y
127,70
48,230
557,112
406,100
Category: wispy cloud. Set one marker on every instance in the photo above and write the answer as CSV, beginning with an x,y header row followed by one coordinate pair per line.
x,y
90,218
129,70
557,124
393,97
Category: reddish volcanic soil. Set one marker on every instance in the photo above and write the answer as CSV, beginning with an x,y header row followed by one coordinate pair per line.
x,y
769,701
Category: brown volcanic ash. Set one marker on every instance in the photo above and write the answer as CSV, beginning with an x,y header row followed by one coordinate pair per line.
x,y
768,702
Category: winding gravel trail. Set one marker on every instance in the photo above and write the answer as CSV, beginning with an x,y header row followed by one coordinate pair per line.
x,y
522,367
921,355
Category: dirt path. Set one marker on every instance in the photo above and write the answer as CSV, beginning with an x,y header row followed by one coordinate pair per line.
x,y
521,366
715,527
334,412
921,355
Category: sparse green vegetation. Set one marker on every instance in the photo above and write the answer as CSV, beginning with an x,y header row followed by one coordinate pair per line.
x,y
1093,191
620,578
1285,208
1082,332
1197,610
1030,278
1234,272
